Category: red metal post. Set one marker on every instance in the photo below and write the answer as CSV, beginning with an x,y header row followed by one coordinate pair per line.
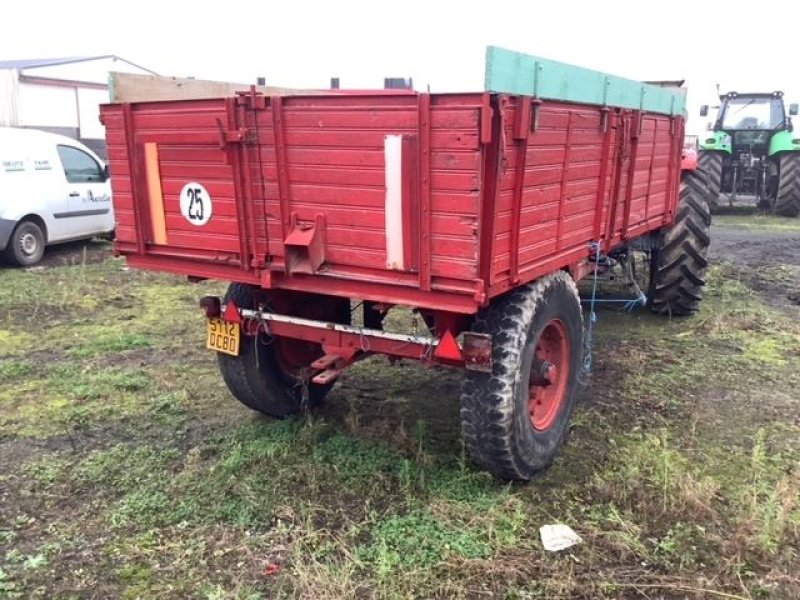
x,y
622,154
250,104
652,167
564,180
605,158
424,136
134,168
522,125
636,136
491,171
243,206
239,111
276,102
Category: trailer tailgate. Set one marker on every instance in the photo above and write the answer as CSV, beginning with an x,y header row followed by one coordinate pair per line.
x,y
372,187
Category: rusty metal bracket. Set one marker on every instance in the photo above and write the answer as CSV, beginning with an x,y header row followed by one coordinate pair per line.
x,y
537,103
636,130
522,121
236,136
252,99
305,245
604,119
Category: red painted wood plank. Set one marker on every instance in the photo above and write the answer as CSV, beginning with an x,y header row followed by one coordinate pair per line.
x,y
453,269
194,171
340,157
344,119
184,239
346,196
455,202
455,118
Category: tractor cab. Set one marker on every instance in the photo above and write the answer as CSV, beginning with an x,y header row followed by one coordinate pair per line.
x,y
750,120
743,149
746,112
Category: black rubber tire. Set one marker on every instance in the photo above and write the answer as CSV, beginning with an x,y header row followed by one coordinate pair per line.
x,y
787,200
15,250
680,261
255,377
710,163
495,420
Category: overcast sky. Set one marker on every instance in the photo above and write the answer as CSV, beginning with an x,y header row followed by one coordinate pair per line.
x,y
741,46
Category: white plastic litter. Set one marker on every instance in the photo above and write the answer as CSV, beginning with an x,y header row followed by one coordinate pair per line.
x,y
558,537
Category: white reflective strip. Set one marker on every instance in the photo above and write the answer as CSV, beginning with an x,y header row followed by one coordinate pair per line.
x,y
393,159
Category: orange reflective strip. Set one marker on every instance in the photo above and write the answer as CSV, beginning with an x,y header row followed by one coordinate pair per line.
x,y
157,218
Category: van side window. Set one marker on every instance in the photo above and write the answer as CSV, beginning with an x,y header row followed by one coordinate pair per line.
x,y
79,167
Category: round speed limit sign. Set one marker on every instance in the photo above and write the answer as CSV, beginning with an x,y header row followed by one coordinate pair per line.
x,y
195,203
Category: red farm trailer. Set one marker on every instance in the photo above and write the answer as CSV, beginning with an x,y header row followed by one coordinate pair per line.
x,y
479,210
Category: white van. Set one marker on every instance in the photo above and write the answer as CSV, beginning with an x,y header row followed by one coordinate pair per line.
x,y
52,189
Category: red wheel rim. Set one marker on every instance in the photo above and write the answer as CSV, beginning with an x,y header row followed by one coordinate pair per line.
x,y
547,386
294,355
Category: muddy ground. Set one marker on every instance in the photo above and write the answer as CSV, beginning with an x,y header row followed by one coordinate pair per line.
x,y
770,258
129,472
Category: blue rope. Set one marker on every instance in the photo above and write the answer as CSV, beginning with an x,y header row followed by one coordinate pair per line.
x,y
629,305
586,371
635,303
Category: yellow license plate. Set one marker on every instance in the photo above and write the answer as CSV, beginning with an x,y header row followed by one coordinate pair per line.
x,y
222,336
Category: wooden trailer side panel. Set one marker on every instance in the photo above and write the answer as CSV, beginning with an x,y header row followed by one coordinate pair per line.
x,y
549,208
444,200
572,174
649,174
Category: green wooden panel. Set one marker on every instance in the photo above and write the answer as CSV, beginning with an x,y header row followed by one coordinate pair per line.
x,y
512,72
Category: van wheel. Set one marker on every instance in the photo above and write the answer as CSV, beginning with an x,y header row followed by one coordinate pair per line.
x,y
26,246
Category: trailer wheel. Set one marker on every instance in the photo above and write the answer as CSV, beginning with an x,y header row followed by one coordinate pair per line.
x,y
678,265
267,375
710,163
515,418
787,200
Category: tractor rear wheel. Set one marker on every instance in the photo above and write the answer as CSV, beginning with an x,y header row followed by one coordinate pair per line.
x,y
515,418
268,375
787,199
710,163
679,263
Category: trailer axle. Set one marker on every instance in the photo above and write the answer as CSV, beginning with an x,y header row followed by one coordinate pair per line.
x,y
345,344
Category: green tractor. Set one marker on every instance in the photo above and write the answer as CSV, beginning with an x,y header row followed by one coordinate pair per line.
x,y
752,150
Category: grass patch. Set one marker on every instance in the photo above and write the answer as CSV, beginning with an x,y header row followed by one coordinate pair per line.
x,y
15,369
148,481
14,342
419,540
111,344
